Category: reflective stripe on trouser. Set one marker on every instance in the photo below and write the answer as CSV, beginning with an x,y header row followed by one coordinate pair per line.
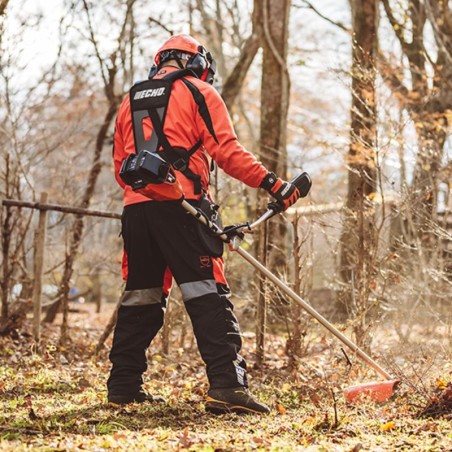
x,y
142,297
158,235
196,289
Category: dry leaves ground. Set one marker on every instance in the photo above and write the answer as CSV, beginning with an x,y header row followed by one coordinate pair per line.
x,y
55,401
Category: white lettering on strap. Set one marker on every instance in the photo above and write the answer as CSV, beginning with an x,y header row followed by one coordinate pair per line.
x,y
149,93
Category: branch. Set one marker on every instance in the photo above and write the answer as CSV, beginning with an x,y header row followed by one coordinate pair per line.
x,y
94,42
441,21
3,5
157,22
233,11
213,34
206,19
390,77
395,26
337,24
447,18
236,77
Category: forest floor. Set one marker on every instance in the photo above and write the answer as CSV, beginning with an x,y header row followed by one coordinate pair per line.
x,y
56,400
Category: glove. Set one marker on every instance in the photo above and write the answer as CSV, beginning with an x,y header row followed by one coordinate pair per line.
x,y
285,193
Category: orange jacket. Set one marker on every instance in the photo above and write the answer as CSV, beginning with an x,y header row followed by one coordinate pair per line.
x,y
184,127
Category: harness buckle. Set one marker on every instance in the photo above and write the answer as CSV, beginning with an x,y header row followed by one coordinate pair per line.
x,y
180,165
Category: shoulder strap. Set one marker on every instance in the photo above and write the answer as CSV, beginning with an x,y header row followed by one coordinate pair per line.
x,y
202,107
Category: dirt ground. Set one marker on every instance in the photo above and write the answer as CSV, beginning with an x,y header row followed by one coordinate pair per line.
x,y
54,399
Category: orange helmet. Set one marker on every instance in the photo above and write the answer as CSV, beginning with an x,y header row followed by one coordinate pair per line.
x,y
184,43
199,60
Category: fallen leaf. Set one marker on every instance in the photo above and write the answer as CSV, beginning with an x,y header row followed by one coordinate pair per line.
x,y
388,426
262,441
117,436
440,383
32,415
185,439
315,398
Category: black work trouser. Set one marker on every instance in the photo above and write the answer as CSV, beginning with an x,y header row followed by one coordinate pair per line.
x,y
158,235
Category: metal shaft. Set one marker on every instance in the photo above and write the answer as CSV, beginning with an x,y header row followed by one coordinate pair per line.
x,y
289,292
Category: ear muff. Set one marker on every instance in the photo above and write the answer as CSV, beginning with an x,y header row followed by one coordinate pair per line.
x,y
209,75
201,63
198,65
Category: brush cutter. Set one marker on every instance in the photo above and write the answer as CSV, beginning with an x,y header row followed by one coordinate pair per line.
x,y
376,391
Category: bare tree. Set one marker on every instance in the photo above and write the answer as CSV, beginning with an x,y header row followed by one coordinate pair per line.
x,y
108,70
213,24
298,322
275,89
426,95
358,235
18,121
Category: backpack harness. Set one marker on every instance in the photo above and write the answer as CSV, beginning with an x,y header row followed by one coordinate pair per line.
x,y
149,99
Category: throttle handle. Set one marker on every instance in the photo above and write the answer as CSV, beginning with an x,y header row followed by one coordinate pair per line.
x,y
303,182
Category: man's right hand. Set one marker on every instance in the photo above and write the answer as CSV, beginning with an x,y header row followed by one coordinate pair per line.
x,y
286,193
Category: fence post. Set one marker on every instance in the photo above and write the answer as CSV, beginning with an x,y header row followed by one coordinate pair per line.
x,y
97,291
5,242
38,262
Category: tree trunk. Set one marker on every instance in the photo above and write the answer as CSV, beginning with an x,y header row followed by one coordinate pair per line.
x,y
424,188
358,236
275,91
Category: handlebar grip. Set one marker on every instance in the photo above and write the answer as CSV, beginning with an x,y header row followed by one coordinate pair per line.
x,y
303,182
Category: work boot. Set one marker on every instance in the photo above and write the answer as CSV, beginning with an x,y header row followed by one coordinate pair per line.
x,y
139,397
237,400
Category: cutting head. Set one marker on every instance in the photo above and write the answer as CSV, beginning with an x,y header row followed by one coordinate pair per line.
x,y
376,391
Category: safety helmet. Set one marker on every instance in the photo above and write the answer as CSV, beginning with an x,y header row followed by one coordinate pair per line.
x,y
199,60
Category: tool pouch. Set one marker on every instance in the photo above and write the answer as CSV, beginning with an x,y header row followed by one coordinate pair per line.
x,y
211,243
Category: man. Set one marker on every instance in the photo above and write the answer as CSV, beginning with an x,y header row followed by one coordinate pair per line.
x,y
160,238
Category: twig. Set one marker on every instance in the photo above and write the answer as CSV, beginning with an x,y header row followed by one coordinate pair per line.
x,y
94,42
336,420
155,21
108,329
349,363
337,24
